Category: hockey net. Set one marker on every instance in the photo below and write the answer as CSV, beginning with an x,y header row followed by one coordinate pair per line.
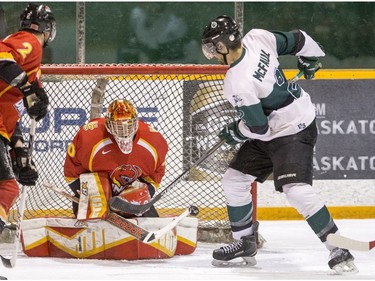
x,y
183,102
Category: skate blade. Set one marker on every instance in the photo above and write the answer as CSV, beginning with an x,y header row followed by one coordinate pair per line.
x,y
346,267
260,241
246,262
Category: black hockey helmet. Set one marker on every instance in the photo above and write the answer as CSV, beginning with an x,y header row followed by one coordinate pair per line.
x,y
39,18
222,29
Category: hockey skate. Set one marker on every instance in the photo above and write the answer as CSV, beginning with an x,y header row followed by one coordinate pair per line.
x,y
342,261
230,255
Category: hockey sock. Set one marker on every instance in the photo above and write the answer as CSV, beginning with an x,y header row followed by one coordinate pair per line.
x,y
322,224
241,220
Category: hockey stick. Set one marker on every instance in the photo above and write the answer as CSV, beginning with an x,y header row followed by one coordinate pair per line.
x,y
136,231
11,262
118,204
348,243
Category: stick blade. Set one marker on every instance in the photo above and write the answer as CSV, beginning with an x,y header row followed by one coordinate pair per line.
x,y
348,243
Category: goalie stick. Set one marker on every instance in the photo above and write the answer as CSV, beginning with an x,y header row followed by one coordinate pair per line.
x,y
118,204
136,231
348,243
11,262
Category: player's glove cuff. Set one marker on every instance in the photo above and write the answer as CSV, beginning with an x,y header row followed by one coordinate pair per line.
x,y
25,174
231,134
308,65
36,100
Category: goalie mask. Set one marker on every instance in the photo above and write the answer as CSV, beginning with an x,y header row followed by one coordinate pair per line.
x,y
39,18
222,31
121,121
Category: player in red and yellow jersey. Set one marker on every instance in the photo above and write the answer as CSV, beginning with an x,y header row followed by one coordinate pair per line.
x,y
130,153
20,88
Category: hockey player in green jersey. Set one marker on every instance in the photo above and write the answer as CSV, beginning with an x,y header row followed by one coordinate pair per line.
x,y
277,132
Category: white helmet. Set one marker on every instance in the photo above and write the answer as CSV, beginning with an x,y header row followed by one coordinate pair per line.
x,y
121,121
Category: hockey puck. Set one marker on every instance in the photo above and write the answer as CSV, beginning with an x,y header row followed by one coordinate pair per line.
x,y
193,210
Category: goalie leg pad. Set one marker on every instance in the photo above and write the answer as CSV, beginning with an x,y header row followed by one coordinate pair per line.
x,y
72,238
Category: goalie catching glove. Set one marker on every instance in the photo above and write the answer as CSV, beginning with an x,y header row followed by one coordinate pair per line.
x,y
136,193
25,174
231,134
35,100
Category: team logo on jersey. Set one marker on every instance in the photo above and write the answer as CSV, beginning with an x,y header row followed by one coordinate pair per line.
x,y
123,176
237,100
301,126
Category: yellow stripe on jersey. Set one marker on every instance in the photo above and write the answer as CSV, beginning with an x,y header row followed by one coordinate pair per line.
x,y
5,90
6,56
4,135
70,180
150,149
95,150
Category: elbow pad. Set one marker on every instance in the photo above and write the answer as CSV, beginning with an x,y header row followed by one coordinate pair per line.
x,y
12,74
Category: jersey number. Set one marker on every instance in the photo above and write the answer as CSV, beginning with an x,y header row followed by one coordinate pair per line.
x,y
27,50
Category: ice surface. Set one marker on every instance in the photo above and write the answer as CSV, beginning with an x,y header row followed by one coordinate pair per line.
x,y
292,252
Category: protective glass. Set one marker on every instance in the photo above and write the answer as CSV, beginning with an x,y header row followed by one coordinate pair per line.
x,y
209,50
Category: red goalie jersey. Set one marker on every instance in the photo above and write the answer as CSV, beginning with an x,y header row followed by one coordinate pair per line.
x,y
94,149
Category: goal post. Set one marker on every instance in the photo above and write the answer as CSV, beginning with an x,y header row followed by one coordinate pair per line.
x,y
183,102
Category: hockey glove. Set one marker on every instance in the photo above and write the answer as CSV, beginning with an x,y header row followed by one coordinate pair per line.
x,y
36,100
308,66
231,134
25,174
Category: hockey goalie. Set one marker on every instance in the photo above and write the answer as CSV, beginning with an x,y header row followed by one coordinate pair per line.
x,y
115,155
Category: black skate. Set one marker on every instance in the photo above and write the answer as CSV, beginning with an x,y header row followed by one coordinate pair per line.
x,y
245,248
342,261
